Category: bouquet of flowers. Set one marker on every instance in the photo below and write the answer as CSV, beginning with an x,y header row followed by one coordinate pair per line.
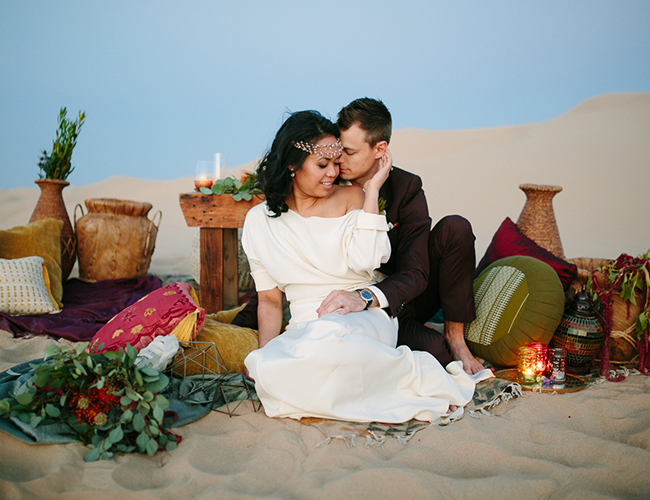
x,y
110,404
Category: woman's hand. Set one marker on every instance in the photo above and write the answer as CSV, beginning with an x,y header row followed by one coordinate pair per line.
x,y
377,180
372,185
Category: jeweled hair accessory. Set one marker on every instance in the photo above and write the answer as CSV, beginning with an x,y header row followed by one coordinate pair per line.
x,y
332,150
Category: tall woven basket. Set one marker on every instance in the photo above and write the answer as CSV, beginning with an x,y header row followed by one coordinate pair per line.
x,y
115,239
537,218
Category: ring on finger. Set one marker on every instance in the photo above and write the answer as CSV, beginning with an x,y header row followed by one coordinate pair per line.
x,y
340,303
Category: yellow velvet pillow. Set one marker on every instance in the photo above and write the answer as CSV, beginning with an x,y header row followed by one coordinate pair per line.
x,y
24,287
41,238
233,342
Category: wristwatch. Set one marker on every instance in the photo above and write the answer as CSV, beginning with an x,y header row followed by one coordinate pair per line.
x,y
367,296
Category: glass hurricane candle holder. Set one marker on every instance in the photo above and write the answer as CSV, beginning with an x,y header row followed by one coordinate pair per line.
x,y
541,358
526,360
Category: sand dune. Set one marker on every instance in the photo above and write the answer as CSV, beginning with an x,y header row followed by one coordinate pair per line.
x,y
598,152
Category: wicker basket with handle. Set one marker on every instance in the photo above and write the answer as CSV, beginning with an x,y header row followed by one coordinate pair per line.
x,y
115,239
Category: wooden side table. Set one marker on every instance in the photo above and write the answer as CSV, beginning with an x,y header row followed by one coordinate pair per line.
x,y
219,217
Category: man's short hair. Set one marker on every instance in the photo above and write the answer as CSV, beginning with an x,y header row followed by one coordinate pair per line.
x,y
373,117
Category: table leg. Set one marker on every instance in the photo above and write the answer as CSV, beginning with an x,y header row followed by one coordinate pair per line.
x,y
211,291
230,271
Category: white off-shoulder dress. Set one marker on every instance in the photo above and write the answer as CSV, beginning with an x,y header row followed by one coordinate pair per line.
x,y
339,366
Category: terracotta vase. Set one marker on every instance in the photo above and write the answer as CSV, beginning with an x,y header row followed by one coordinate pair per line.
x,y
50,205
537,218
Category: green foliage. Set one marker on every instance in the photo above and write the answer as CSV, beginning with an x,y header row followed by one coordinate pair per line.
x,y
57,164
239,189
112,405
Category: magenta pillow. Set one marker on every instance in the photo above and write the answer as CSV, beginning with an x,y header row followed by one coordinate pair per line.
x,y
171,309
509,241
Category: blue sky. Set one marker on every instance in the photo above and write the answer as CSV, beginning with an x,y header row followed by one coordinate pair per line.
x,y
165,84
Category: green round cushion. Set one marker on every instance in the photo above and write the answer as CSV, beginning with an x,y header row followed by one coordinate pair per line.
x,y
519,300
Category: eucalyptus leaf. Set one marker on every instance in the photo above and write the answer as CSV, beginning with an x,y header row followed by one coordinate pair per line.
x,y
52,410
152,447
158,413
171,445
92,455
24,398
205,190
116,435
142,441
138,422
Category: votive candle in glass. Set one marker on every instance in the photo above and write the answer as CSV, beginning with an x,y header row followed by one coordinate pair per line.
x,y
557,362
541,357
526,365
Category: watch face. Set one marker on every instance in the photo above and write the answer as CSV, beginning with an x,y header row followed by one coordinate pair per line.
x,y
366,295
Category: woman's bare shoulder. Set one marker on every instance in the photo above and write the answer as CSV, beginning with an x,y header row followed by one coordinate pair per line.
x,y
352,196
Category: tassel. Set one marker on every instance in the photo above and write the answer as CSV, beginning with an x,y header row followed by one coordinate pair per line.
x,y
186,329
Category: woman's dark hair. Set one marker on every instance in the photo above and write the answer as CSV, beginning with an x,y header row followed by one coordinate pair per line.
x,y
273,172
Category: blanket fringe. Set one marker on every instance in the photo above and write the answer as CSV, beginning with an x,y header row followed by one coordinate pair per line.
x,y
514,390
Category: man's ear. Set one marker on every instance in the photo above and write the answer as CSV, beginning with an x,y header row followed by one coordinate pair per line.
x,y
380,149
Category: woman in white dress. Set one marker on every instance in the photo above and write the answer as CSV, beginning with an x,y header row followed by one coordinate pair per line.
x,y
312,237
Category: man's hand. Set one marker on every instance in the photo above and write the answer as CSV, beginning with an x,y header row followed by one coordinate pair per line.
x,y
344,302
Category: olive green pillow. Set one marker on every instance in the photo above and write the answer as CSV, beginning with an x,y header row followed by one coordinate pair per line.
x,y
519,300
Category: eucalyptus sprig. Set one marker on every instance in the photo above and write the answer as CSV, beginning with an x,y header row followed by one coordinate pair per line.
x,y
58,164
110,404
243,189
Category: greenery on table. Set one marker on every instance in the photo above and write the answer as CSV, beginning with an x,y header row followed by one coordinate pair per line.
x,y
239,189
58,164
109,403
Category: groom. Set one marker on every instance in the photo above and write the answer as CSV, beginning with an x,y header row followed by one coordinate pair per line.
x,y
426,270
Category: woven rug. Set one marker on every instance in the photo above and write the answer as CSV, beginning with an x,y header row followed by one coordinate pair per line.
x,y
488,394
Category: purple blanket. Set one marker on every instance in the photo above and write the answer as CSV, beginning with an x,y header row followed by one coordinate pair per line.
x,y
86,308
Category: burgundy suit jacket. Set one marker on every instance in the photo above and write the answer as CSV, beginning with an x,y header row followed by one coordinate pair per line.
x,y
408,266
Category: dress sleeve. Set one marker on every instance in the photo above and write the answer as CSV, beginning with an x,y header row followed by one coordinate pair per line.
x,y
368,246
252,238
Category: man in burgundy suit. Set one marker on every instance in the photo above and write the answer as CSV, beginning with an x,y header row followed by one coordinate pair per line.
x,y
427,270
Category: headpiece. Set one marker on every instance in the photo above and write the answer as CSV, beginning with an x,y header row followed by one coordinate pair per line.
x,y
332,150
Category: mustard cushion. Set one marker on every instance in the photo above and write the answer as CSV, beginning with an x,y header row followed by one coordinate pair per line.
x,y
41,238
167,310
233,343
519,300
24,287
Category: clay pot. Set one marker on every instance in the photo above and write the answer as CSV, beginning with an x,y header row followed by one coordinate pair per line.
x,y
50,205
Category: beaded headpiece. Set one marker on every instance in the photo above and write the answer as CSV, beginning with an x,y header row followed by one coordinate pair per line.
x,y
332,150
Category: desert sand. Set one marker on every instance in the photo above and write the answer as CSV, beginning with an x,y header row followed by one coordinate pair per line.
x,y
589,444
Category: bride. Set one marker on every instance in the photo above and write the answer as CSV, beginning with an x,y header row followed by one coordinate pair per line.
x,y
312,237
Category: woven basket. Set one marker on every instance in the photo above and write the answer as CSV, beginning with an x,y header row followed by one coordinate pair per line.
x,y
623,349
115,239
537,218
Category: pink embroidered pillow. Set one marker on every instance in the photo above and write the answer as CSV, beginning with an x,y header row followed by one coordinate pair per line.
x,y
509,241
171,309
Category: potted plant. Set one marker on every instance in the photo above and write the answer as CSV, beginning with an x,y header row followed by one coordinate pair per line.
x,y
54,170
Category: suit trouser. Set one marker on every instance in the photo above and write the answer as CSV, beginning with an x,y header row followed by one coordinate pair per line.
x,y
451,275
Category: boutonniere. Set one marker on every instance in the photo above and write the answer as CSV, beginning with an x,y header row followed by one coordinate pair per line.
x,y
382,206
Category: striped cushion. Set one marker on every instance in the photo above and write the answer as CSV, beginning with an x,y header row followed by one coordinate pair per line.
x,y
518,300
25,287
